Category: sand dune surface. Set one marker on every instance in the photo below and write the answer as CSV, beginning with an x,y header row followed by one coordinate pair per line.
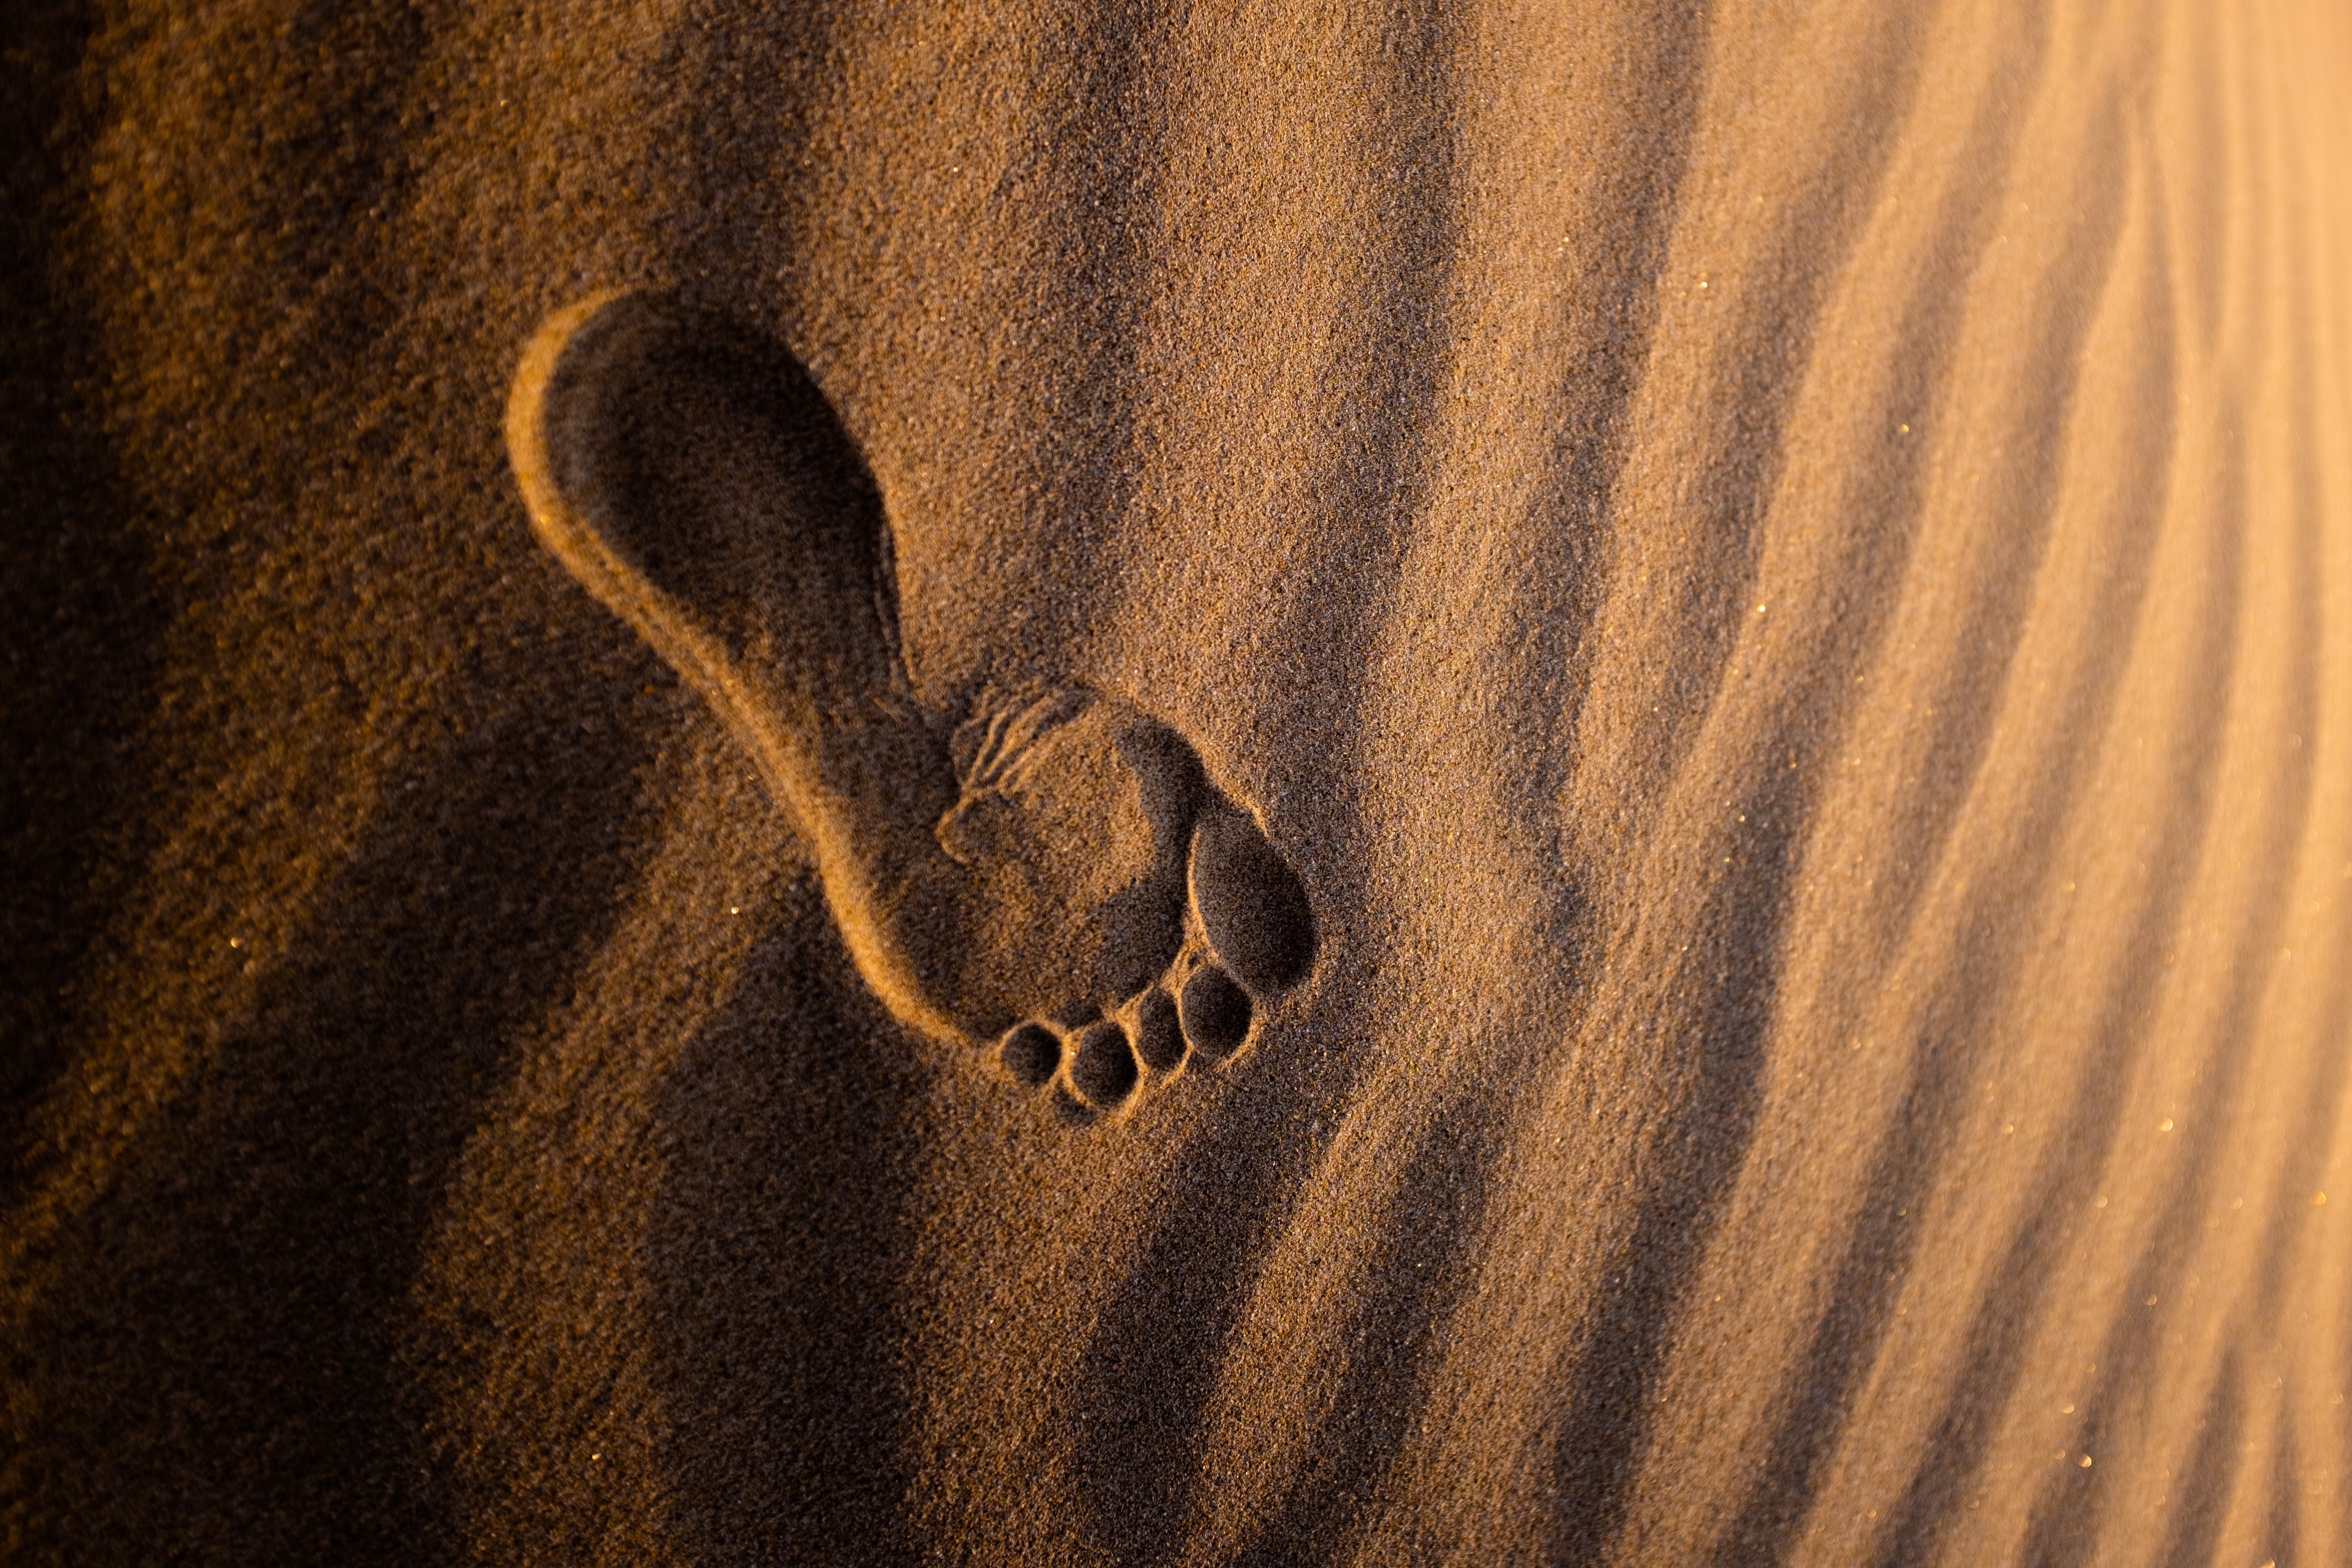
x,y
1779,579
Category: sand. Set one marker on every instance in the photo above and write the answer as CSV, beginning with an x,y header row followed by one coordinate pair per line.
x,y
1779,577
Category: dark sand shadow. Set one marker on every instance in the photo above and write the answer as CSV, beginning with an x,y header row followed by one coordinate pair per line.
x,y
81,611
777,1254
242,1385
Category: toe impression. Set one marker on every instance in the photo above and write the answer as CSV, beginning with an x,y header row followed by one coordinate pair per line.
x,y
1216,1011
1251,905
1102,1067
1032,1055
1158,1034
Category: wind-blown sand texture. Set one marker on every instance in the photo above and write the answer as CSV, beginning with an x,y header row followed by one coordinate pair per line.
x,y
1780,576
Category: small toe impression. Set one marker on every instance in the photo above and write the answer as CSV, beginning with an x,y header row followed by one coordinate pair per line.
x,y
1102,1068
1217,1012
1251,907
1159,1036
1032,1055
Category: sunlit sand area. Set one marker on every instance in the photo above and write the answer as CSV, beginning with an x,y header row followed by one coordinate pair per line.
x,y
1293,784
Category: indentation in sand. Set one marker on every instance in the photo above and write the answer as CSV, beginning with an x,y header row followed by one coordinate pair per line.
x,y
1043,868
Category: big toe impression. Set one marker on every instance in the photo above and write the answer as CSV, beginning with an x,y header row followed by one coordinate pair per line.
x,y
1251,907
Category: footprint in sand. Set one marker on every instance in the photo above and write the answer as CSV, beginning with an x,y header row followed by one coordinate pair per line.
x,y
1051,871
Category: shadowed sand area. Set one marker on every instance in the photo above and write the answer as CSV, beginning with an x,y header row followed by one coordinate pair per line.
x,y
1780,578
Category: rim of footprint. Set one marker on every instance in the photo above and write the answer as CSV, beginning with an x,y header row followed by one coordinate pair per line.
x,y
1048,871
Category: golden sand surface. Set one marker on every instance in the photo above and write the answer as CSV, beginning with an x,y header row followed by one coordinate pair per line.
x,y
1780,576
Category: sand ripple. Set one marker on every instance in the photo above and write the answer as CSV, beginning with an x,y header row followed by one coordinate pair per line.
x,y
1780,578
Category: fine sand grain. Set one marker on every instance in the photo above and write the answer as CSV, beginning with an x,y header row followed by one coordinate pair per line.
x,y
1778,581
